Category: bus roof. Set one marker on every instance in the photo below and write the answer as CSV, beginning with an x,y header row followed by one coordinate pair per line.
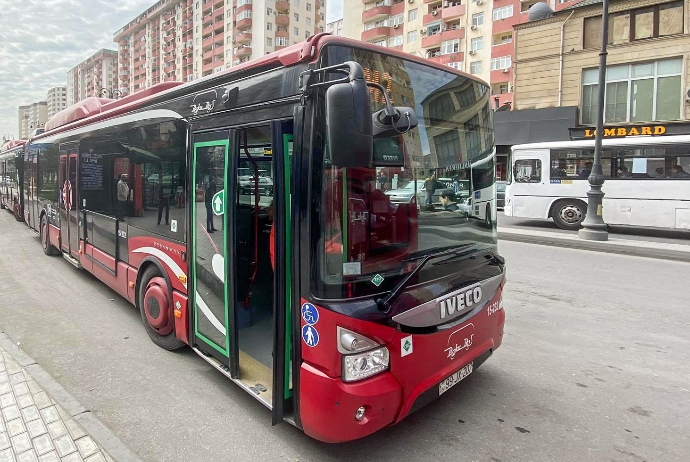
x,y
11,144
629,141
94,109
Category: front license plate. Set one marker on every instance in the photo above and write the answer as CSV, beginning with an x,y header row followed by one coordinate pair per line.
x,y
454,379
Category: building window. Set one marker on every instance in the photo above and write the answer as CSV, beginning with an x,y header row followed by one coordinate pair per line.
x,y
269,11
638,24
321,16
476,67
500,63
466,97
635,93
412,36
450,46
478,19
455,65
269,41
397,20
244,15
306,34
295,30
502,12
476,43
296,16
413,14
296,2
503,88
308,6
527,171
269,26
447,147
503,39
395,41
307,21
281,41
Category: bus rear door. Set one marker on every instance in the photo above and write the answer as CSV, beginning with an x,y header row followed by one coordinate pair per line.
x,y
68,194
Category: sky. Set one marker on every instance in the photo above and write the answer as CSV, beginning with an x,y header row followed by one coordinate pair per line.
x,y
40,41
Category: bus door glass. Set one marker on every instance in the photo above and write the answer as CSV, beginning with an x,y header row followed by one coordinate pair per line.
x,y
69,231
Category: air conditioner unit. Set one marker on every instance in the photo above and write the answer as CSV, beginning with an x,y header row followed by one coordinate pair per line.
x,y
472,52
505,71
434,13
479,2
395,26
473,27
410,1
422,31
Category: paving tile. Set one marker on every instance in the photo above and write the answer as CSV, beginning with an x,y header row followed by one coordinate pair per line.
x,y
74,429
86,446
108,458
25,401
42,400
5,388
4,377
57,429
50,457
33,386
28,456
2,365
4,441
65,446
30,413
11,412
50,414
17,378
20,389
43,444
21,443
7,456
7,399
15,427
74,457
36,428
64,415
98,457
12,367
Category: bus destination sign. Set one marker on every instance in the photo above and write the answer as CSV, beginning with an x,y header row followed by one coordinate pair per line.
x,y
624,131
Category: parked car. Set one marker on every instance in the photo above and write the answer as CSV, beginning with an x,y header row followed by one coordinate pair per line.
x,y
406,191
500,194
246,184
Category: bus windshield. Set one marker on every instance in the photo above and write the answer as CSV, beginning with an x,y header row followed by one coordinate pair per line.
x,y
439,193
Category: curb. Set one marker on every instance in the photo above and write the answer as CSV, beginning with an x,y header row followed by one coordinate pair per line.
x,y
115,448
676,252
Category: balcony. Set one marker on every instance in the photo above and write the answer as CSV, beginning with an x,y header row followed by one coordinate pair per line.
x,y
449,58
207,42
503,49
206,7
207,55
282,33
208,67
243,52
501,75
208,29
283,6
431,17
504,98
169,26
169,48
245,37
433,40
218,4
452,12
218,51
506,24
374,14
282,20
247,23
376,33
243,8
452,34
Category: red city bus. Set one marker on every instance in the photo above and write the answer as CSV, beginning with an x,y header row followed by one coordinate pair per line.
x,y
241,214
10,177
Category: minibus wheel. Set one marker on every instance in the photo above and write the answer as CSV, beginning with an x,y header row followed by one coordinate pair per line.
x,y
156,310
569,213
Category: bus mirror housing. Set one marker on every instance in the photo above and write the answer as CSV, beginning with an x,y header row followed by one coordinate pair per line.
x,y
348,118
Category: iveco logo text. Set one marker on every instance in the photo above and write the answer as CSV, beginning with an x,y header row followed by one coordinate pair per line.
x,y
459,301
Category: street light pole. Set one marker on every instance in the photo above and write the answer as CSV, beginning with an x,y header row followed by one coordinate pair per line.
x,y
594,228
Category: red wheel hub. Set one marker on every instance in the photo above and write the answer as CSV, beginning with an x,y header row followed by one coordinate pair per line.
x,y
157,306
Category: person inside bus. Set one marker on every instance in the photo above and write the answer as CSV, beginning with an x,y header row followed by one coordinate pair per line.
x,y
208,201
678,172
623,172
585,172
448,201
122,197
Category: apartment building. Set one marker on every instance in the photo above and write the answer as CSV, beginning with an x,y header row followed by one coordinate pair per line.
x,y
184,40
31,117
335,27
57,100
473,36
92,76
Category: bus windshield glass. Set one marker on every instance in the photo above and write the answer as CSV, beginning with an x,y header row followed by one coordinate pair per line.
x,y
430,189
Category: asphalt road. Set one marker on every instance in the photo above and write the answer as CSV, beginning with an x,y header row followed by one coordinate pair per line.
x,y
595,366
633,233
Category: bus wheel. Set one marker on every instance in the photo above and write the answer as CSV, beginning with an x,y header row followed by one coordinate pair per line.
x,y
48,249
569,214
2,204
156,309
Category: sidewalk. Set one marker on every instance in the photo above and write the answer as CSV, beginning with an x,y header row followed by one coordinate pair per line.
x,y
40,421
665,251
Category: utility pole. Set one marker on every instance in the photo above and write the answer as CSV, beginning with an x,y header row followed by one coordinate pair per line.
x,y
594,228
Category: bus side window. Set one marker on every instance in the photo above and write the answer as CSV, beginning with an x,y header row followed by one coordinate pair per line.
x,y
527,171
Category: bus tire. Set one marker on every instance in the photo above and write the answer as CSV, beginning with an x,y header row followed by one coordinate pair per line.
x,y
156,310
2,204
569,214
48,248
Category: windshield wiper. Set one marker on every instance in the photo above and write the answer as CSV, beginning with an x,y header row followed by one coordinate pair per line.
x,y
384,304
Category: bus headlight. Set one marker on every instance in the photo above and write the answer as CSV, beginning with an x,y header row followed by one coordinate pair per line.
x,y
363,365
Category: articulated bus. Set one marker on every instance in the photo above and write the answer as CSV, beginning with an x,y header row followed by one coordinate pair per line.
x,y
11,177
647,181
240,214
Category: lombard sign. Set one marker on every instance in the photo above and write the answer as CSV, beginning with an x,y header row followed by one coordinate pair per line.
x,y
623,131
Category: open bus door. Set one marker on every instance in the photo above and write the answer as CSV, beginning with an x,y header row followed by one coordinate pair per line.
x,y
69,208
239,292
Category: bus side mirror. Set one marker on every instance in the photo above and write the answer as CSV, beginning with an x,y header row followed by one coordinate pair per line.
x,y
348,118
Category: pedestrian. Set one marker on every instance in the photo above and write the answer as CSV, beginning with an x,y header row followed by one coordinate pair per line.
x,y
122,197
163,203
382,180
430,188
208,200
448,201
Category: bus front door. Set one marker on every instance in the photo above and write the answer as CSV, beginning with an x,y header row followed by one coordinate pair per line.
x,y
69,231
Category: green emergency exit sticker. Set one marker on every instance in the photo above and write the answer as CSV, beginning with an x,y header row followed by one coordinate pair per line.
x,y
377,280
218,203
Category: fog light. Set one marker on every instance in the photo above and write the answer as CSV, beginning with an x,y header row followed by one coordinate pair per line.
x,y
359,414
